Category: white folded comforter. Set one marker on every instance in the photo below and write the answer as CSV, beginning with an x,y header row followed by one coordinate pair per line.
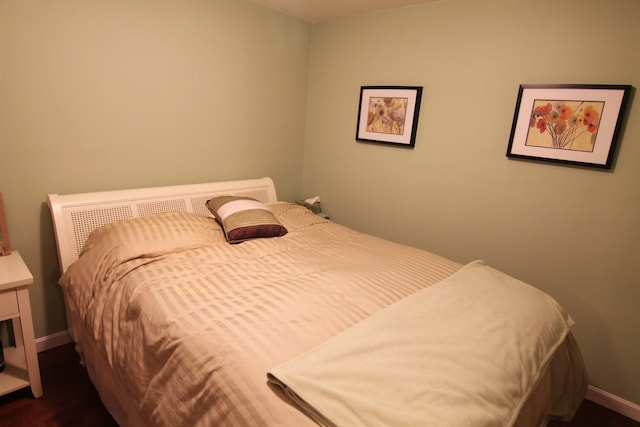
x,y
466,351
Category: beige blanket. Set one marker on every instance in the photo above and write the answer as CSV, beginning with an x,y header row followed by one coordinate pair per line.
x,y
466,351
190,324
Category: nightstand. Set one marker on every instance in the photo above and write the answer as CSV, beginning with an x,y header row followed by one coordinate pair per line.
x,y
21,362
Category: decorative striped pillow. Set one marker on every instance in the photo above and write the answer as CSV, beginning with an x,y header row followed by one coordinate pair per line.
x,y
244,218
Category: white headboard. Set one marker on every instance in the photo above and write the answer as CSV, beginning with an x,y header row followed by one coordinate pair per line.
x,y
75,216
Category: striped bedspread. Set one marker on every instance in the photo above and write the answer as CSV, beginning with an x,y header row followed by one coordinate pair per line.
x,y
194,324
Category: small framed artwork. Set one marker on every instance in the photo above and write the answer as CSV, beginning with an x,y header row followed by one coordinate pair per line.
x,y
389,115
572,124
5,248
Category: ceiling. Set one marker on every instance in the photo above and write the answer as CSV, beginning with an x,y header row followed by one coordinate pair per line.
x,y
322,10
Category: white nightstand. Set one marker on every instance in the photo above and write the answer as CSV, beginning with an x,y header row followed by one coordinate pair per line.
x,y
21,362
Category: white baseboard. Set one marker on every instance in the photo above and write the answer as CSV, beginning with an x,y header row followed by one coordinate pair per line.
x,y
52,341
594,394
613,402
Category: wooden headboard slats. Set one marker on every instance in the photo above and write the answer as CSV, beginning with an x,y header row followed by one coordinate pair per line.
x,y
75,216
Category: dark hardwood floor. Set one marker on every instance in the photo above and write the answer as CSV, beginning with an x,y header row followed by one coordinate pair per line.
x,y
593,415
69,397
71,401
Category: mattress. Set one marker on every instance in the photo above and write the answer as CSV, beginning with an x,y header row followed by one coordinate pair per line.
x,y
186,326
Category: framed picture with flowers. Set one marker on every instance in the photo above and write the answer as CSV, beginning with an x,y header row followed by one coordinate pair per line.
x,y
389,115
572,124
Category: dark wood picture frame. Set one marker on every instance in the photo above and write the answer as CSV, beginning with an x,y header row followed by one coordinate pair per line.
x,y
389,115
573,124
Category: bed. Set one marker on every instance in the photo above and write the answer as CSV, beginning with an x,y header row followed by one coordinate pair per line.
x,y
319,324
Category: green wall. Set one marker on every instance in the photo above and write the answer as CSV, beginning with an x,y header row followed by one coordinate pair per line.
x,y
573,232
101,95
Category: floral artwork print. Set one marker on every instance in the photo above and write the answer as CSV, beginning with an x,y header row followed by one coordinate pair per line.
x,y
565,125
387,115
573,124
